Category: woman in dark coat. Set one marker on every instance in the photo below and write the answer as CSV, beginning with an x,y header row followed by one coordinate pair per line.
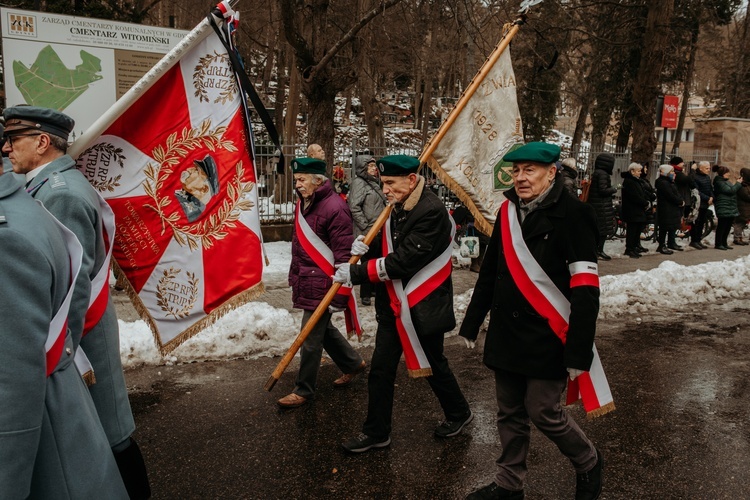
x,y
634,206
669,205
600,197
743,207
725,204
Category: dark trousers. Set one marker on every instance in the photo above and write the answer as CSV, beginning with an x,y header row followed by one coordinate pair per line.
x,y
522,400
696,232
323,336
723,227
382,377
366,290
633,235
666,232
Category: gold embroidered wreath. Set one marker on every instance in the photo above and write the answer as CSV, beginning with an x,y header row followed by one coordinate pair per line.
x,y
215,227
161,290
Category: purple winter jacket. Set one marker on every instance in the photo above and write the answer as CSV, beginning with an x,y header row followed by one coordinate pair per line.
x,y
329,217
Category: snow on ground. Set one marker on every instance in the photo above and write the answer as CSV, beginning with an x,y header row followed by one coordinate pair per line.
x,y
259,329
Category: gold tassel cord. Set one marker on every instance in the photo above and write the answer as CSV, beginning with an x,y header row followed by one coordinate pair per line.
x,y
422,372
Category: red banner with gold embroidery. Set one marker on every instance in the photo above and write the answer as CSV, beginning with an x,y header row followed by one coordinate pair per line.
x,y
175,164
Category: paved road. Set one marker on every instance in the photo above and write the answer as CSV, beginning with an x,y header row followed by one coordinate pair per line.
x,y
681,428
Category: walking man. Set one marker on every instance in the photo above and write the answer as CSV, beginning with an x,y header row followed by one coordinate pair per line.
x,y
539,280
321,240
37,141
51,442
413,302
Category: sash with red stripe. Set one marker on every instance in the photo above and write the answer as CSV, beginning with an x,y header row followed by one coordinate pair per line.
x,y
58,327
323,258
99,290
423,283
550,303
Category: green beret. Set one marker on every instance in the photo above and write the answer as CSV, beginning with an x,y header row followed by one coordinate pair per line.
x,y
538,152
22,119
398,165
308,166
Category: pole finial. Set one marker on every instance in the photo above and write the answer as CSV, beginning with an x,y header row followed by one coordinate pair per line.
x,y
527,4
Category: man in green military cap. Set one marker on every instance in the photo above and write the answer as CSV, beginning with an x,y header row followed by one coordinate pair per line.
x,y
545,233
321,240
419,236
36,141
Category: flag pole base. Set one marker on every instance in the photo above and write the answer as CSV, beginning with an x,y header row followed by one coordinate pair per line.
x,y
271,382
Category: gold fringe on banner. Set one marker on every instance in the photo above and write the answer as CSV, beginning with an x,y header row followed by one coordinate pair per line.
x,y
601,411
230,305
480,223
422,372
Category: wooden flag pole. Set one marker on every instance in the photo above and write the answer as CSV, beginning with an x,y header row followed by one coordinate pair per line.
x,y
429,149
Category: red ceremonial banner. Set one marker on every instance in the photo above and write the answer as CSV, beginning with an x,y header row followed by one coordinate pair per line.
x,y
177,170
670,110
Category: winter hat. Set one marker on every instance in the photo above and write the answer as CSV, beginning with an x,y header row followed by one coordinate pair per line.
x,y
398,165
745,173
665,169
537,152
308,166
675,161
22,119
605,161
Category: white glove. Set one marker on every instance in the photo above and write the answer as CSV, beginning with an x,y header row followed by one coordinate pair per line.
x,y
574,373
343,275
333,309
471,344
359,247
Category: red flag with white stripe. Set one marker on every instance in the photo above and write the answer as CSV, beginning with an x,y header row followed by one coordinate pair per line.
x,y
174,161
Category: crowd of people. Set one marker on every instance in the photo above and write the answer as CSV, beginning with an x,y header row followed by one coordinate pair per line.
x,y
677,200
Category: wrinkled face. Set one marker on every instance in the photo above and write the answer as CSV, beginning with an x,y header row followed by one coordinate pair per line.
x,y
22,150
531,179
704,168
305,185
636,172
372,169
397,188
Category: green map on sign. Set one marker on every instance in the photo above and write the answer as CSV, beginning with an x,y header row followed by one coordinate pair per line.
x,y
48,83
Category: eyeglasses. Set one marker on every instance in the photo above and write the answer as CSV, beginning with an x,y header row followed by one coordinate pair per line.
x,y
11,138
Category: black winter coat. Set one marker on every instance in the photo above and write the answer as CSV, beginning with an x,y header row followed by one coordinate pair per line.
x,y
634,199
668,202
561,231
421,231
600,197
705,188
685,185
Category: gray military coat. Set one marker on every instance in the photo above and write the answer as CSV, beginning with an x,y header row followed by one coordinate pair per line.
x,y
51,442
66,193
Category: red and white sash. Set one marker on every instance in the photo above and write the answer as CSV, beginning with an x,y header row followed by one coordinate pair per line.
x,y
423,283
323,258
99,298
549,302
58,327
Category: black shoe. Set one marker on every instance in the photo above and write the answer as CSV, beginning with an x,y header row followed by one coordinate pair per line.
x,y
492,491
451,428
664,250
363,442
641,249
721,247
675,247
366,301
696,245
633,254
589,484
703,246
604,256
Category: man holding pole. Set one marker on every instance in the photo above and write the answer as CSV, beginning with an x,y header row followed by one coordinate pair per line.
x,y
321,240
413,302
539,278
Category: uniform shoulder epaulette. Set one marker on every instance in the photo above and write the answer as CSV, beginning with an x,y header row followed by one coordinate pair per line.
x,y
57,181
3,220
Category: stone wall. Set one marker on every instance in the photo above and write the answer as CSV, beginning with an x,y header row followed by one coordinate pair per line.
x,y
730,136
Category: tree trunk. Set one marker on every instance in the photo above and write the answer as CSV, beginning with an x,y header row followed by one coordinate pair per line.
x,y
346,120
292,105
282,80
321,105
372,106
686,88
647,85
580,126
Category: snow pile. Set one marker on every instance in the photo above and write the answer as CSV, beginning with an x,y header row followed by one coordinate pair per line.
x,y
259,329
